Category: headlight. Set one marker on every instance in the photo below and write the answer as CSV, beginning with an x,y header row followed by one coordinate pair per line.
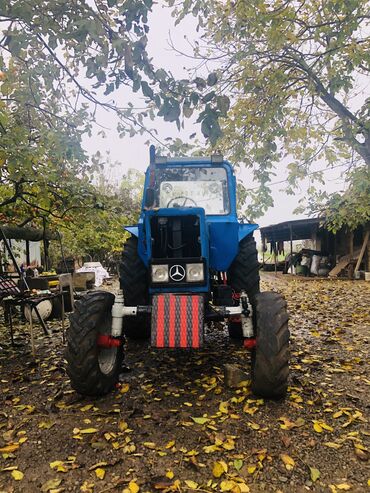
x,y
194,272
160,273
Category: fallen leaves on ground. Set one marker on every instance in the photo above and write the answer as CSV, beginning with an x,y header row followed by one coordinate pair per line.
x,y
171,426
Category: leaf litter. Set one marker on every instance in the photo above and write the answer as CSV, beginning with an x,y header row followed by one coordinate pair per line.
x,y
172,426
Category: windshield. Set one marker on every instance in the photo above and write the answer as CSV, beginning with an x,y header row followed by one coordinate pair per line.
x,y
193,187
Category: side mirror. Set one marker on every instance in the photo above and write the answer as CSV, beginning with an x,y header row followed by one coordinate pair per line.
x,y
149,198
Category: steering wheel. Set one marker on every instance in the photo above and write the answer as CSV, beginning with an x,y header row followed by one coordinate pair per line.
x,y
181,197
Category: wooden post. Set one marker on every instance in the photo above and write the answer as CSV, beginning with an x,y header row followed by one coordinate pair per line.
x,y
291,249
363,248
63,316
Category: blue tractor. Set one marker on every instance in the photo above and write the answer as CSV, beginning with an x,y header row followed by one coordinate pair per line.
x,y
188,262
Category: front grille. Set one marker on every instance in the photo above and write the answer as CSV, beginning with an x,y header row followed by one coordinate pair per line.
x,y
175,237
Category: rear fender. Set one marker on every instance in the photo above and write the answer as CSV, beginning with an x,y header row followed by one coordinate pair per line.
x,y
245,230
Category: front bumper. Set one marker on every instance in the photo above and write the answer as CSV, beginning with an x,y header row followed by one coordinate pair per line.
x,y
177,321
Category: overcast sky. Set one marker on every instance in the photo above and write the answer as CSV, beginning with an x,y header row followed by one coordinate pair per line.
x,y
134,153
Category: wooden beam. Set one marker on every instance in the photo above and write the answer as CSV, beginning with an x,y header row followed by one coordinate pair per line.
x,y
363,248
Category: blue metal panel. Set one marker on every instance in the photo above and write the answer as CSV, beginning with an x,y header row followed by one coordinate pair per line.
x,y
224,244
246,229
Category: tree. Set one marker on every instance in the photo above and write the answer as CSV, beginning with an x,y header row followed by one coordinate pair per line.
x,y
59,62
99,233
349,208
285,83
57,59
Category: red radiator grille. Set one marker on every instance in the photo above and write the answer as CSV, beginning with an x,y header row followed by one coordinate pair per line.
x,y
177,321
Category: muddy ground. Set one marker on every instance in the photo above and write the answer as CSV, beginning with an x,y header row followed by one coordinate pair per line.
x,y
143,437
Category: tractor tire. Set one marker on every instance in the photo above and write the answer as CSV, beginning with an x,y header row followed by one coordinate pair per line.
x,y
244,275
134,284
270,357
93,370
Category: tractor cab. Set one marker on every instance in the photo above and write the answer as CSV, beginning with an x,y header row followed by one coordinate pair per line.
x,y
207,183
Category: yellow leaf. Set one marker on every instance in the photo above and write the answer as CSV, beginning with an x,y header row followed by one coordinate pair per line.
x,y
288,461
315,474
17,475
229,444
124,388
169,474
9,448
188,404
46,425
317,427
87,487
218,469
87,407
223,407
209,449
55,464
150,445
100,473
243,488
332,445
337,414
251,469
191,484
122,425
88,430
227,485
133,487
170,444
200,421
343,486
254,426
326,427
51,484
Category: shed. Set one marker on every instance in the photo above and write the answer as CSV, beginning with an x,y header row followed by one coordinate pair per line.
x,y
343,246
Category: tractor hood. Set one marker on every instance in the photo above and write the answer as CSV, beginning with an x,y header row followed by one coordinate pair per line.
x,y
220,236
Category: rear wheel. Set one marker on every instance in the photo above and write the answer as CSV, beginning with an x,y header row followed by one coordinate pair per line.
x,y
270,357
134,284
244,275
93,370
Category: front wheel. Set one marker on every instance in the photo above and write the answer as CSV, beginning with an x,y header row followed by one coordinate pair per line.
x,y
93,370
270,357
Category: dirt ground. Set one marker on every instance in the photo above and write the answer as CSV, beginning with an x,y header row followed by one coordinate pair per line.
x,y
172,426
